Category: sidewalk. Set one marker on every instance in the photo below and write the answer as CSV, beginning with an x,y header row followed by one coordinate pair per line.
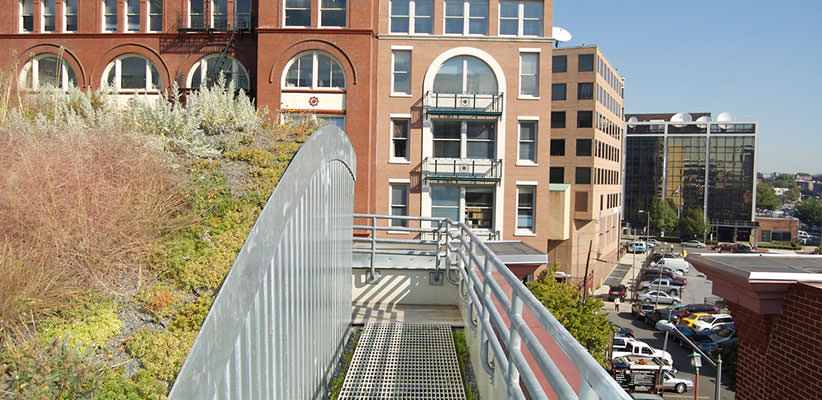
x,y
623,272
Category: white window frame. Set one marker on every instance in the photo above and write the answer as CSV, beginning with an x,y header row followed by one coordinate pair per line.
x,y
395,72
528,120
521,18
532,188
323,8
404,119
24,14
412,17
212,17
286,9
44,14
67,15
130,15
319,119
106,14
32,67
464,140
462,205
466,18
236,69
403,184
152,16
117,65
314,72
530,53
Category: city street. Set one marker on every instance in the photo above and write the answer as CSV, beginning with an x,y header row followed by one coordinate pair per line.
x,y
696,291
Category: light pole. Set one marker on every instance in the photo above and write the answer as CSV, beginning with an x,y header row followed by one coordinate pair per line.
x,y
647,227
696,358
696,362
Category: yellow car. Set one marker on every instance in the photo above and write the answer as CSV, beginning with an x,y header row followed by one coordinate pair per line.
x,y
689,320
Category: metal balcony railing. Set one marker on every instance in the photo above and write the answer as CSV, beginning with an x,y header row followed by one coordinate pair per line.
x,y
516,331
453,169
463,103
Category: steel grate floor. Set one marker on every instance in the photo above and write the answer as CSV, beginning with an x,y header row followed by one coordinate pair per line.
x,y
404,361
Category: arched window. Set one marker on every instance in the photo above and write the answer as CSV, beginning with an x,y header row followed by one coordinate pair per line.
x,y
314,70
465,74
132,72
47,70
206,72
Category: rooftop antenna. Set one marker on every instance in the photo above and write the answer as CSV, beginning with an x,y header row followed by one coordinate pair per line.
x,y
681,117
560,35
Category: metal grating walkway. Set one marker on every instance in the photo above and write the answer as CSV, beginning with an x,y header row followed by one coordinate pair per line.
x,y
404,361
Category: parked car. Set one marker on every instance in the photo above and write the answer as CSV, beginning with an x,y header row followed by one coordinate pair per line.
x,y
663,267
690,319
616,291
710,321
651,274
657,315
675,384
717,338
639,348
652,242
640,309
693,243
621,343
741,248
623,332
659,256
678,264
697,308
726,247
664,284
655,296
638,248
686,331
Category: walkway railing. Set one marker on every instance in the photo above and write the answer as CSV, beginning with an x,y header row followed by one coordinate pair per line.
x,y
282,317
518,335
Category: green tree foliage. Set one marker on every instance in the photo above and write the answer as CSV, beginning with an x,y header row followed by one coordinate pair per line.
x,y
663,216
766,198
693,224
810,212
788,181
581,318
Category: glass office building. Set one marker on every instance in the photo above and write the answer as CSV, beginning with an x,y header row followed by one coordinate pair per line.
x,y
706,165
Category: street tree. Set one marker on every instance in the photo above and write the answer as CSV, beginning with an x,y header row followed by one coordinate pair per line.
x,y
766,198
810,212
693,224
663,216
581,318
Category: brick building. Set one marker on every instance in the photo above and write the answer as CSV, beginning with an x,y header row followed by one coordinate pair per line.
x,y
776,301
777,229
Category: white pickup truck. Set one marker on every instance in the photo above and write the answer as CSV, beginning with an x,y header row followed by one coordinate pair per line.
x,y
638,348
662,284
677,264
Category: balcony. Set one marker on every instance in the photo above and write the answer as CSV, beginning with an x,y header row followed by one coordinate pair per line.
x,y
463,104
461,170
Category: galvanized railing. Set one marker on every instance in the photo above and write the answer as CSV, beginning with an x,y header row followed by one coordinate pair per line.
x,y
282,317
514,327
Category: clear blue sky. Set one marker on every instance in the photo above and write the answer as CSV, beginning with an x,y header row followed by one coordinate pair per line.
x,y
760,60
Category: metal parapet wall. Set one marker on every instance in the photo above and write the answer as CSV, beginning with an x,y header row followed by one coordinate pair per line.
x,y
280,321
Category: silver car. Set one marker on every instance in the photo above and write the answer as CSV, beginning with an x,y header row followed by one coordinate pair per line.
x,y
654,296
679,385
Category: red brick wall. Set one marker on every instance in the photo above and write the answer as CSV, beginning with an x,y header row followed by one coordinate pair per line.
x,y
779,354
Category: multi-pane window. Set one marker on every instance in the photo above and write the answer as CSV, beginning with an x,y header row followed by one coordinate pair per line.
x,y
556,175
155,15
525,207
412,16
479,208
208,70
465,74
557,119
583,175
466,17
399,203
27,15
48,15
313,70
529,74
70,15
110,15
586,62
520,18
585,90
132,72
196,14
133,15
219,14
557,147
445,202
558,91
585,119
559,64
528,141
47,70
297,12
332,12
400,129
464,139
242,14
401,71
584,147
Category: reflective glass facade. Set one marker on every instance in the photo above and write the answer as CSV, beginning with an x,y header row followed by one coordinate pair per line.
x,y
731,172
644,158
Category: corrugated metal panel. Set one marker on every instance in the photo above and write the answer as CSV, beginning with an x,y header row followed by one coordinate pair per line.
x,y
280,321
